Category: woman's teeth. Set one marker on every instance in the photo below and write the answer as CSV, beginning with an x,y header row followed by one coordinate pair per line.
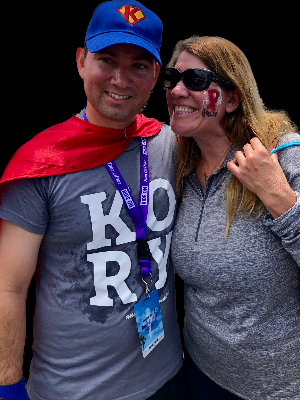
x,y
184,110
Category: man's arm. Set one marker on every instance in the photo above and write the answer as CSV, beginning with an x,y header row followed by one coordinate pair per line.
x,y
18,257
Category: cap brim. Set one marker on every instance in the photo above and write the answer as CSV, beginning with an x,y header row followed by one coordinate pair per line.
x,y
100,42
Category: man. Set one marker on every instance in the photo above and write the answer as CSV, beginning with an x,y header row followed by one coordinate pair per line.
x,y
88,206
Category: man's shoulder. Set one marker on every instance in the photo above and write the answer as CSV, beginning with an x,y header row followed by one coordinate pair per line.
x,y
164,145
166,131
167,135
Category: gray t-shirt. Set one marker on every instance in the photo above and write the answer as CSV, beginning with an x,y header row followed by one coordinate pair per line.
x,y
86,342
242,298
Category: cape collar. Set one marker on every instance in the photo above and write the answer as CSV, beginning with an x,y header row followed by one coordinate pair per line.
x,y
74,145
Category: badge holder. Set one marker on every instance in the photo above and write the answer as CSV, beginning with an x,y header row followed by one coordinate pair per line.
x,y
149,321
147,311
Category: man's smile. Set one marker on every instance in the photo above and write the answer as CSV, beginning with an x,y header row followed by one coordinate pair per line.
x,y
117,96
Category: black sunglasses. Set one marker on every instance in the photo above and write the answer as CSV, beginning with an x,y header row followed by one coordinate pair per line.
x,y
194,79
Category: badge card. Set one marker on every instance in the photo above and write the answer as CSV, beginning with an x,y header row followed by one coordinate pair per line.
x,y
149,322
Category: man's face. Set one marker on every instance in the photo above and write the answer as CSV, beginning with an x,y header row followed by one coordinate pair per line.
x,y
117,81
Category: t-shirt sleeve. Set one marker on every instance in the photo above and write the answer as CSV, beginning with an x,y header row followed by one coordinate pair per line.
x,y
24,203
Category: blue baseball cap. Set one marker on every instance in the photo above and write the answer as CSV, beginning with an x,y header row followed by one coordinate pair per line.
x,y
124,22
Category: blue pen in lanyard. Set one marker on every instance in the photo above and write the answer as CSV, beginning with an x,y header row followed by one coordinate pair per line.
x,y
137,213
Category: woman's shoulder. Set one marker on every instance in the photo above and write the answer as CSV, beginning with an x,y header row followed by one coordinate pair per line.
x,y
289,137
289,140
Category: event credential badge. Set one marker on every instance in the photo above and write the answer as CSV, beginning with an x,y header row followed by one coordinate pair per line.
x,y
149,322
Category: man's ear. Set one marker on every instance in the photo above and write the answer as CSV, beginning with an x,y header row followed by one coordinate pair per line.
x,y
80,58
156,75
157,70
233,101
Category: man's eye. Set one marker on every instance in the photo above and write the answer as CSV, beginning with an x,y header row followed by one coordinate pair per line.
x,y
140,66
105,60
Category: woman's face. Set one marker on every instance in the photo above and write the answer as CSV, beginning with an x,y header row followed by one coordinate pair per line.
x,y
194,112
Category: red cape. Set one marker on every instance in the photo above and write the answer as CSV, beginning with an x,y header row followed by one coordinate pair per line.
x,y
74,145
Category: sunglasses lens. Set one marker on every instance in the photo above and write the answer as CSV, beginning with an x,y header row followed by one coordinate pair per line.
x,y
171,77
196,79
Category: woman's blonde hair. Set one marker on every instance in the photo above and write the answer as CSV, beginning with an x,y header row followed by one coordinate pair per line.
x,y
250,119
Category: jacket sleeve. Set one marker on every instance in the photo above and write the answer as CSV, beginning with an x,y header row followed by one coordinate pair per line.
x,y
287,226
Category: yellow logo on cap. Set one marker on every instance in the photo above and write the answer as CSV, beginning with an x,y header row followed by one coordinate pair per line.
x,y
132,14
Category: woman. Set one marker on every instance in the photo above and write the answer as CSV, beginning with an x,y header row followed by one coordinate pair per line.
x,y
236,242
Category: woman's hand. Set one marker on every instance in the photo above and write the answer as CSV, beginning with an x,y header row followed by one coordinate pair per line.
x,y
263,175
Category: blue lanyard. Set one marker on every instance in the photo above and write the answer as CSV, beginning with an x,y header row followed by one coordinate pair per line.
x,y
137,213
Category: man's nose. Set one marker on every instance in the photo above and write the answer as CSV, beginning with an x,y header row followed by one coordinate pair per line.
x,y
121,77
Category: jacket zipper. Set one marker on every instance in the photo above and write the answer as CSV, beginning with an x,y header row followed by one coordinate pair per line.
x,y
203,200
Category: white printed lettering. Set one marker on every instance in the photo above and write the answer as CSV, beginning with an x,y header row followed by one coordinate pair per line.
x,y
161,258
144,196
101,281
128,199
152,221
99,220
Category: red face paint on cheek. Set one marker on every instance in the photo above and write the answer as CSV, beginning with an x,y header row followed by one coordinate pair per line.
x,y
213,98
